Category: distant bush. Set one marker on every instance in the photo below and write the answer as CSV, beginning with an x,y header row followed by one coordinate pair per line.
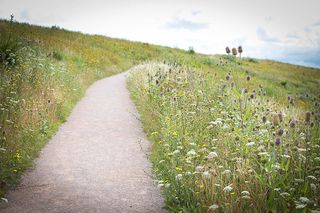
x,y
252,60
57,55
191,50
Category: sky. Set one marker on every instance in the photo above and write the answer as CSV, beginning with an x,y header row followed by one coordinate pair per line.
x,y
283,30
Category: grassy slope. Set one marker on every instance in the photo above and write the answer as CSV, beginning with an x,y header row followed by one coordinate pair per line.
x,y
54,67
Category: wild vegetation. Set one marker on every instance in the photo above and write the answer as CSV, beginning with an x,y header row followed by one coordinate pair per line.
x,y
206,145
226,139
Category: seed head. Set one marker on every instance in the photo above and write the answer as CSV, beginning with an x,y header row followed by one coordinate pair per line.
x,y
280,132
264,119
228,50
232,84
240,49
248,78
252,96
228,77
245,90
307,117
275,119
234,51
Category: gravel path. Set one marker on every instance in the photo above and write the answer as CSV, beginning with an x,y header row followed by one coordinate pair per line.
x,y
95,162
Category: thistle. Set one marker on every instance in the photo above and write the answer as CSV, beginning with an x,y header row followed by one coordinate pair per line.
x,y
240,50
277,141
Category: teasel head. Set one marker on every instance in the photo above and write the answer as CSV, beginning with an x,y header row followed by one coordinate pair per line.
x,y
307,117
275,119
234,51
228,50
264,119
240,49
248,78
228,77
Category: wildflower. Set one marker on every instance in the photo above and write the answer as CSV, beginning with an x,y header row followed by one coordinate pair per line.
x,y
252,95
225,172
234,51
277,141
228,77
176,152
178,176
248,78
313,186
213,207
246,197
228,189
293,123
280,132
245,90
245,193
307,117
232,84
206,175
301,206
212,155
250,143
311,177
191,152
284,194
304,200
199,168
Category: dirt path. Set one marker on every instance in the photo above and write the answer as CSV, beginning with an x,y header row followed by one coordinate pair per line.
x,y
94,163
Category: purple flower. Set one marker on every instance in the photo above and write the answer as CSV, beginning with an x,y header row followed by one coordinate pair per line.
x,y
245,90
277,141
252,96
228,77
280,132
293,123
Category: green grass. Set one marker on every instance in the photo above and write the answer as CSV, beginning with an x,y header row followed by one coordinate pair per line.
x,y
45,71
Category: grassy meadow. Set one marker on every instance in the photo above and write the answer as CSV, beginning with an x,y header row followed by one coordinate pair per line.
x,y
232,137
225,135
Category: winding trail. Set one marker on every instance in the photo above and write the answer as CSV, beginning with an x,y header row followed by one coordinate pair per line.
x,y
95,162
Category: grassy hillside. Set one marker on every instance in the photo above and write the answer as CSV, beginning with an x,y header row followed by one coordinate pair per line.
x,y
45,71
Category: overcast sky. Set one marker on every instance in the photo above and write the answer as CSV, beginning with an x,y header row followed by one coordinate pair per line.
x,y
285,30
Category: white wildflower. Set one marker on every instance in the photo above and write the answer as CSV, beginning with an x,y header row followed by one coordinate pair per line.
x,y
246,197
245,193
212,155
178,176
199,168
312,177
313,187
228,189
284,194
176,152
161,161
213,207
160,185
191,152
250,143
301,206
225,126
206,175
192,144
304,200
225,172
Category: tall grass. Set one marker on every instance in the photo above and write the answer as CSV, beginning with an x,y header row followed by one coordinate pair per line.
x,y
222,143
